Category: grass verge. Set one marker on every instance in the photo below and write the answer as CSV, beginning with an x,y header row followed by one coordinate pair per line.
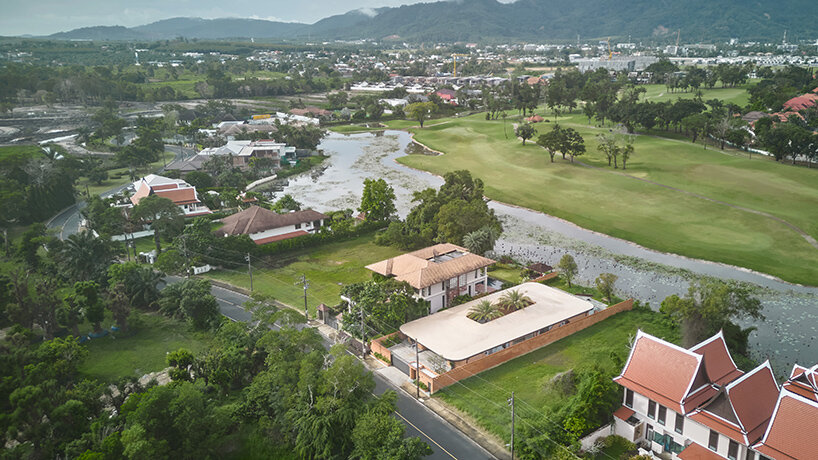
x,y
327,269
484,396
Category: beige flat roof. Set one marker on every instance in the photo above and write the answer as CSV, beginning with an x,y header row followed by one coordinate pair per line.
x,y
452,335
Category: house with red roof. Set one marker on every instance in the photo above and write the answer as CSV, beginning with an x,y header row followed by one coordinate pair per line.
x,y
448,95
264,226
695,404
802,102
791,433
180,192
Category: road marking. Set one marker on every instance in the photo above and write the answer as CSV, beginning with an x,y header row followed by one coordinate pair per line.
x,y
427,436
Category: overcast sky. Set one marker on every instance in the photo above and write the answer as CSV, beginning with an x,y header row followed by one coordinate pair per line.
x,y
43,17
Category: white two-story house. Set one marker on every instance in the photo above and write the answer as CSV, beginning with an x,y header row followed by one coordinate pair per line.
x,y
438,273
695,404
178,191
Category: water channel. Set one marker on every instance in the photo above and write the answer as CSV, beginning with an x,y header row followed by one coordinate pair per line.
x,y
788,335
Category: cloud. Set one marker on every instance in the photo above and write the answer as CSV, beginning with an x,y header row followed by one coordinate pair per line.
x,y
368,12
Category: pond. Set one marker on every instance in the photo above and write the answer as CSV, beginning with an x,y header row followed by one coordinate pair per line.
x,y
791,311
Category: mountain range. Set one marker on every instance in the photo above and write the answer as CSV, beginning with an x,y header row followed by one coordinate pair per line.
x,y
525,20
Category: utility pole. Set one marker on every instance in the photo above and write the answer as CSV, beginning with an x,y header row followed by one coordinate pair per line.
x,y
183,237
250,270
417,368
363,335
511,403
306,284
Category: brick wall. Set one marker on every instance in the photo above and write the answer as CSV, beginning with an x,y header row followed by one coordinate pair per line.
x,y
546,277
477,365
376,346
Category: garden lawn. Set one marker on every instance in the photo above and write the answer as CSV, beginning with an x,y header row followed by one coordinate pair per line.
x,y
484,396
141,350
618,203
327,268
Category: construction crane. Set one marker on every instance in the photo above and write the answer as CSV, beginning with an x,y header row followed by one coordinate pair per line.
x,y
454,60
610,53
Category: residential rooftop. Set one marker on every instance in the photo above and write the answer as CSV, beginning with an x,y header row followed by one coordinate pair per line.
x,y
432,265
454,336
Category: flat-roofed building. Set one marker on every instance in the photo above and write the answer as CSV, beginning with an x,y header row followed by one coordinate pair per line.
x,y
455,337
438,273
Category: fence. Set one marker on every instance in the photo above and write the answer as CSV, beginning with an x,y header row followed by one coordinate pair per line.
x,y
493,360
377,346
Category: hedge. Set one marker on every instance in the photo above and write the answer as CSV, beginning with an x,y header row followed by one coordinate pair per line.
x,y
318,239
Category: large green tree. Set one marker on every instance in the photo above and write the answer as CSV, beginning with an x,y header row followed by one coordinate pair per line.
x,y
162,214
710,305
420,111
378,201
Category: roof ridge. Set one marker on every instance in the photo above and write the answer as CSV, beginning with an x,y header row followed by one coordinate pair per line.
x,y
253,213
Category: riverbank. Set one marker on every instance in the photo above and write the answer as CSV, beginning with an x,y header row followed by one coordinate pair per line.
x,y
645,274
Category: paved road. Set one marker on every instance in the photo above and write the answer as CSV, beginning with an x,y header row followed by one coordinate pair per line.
x,y
446,441
68,221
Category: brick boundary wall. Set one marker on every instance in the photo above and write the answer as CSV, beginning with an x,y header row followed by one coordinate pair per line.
x,y
376,346
546,277
493,360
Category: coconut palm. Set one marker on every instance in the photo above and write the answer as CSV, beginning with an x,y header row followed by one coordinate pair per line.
x,y
484,311
515,300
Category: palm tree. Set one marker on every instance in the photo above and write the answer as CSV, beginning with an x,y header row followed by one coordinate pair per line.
x,y
515,300
84,257
484,312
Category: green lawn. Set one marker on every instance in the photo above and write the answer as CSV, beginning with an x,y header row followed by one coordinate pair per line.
x,y
327,268
608,201
484,396
737,95
141,350
124,177
506,273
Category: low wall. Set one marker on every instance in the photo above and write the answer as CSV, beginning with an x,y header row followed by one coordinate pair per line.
x,y
546,277
495,359
376,346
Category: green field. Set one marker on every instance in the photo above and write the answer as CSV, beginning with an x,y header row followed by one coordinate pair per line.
x,y
20,151
625,205
484,396
141,350
327,268
737,95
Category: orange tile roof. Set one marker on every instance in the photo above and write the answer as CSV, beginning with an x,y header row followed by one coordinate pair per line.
x,y
718,363
698,452
743,408
420,270
802,102
791,434
143,191
753,397
179,196
663,371
623,413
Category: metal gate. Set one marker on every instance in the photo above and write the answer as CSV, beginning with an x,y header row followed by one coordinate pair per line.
x,y
400,363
